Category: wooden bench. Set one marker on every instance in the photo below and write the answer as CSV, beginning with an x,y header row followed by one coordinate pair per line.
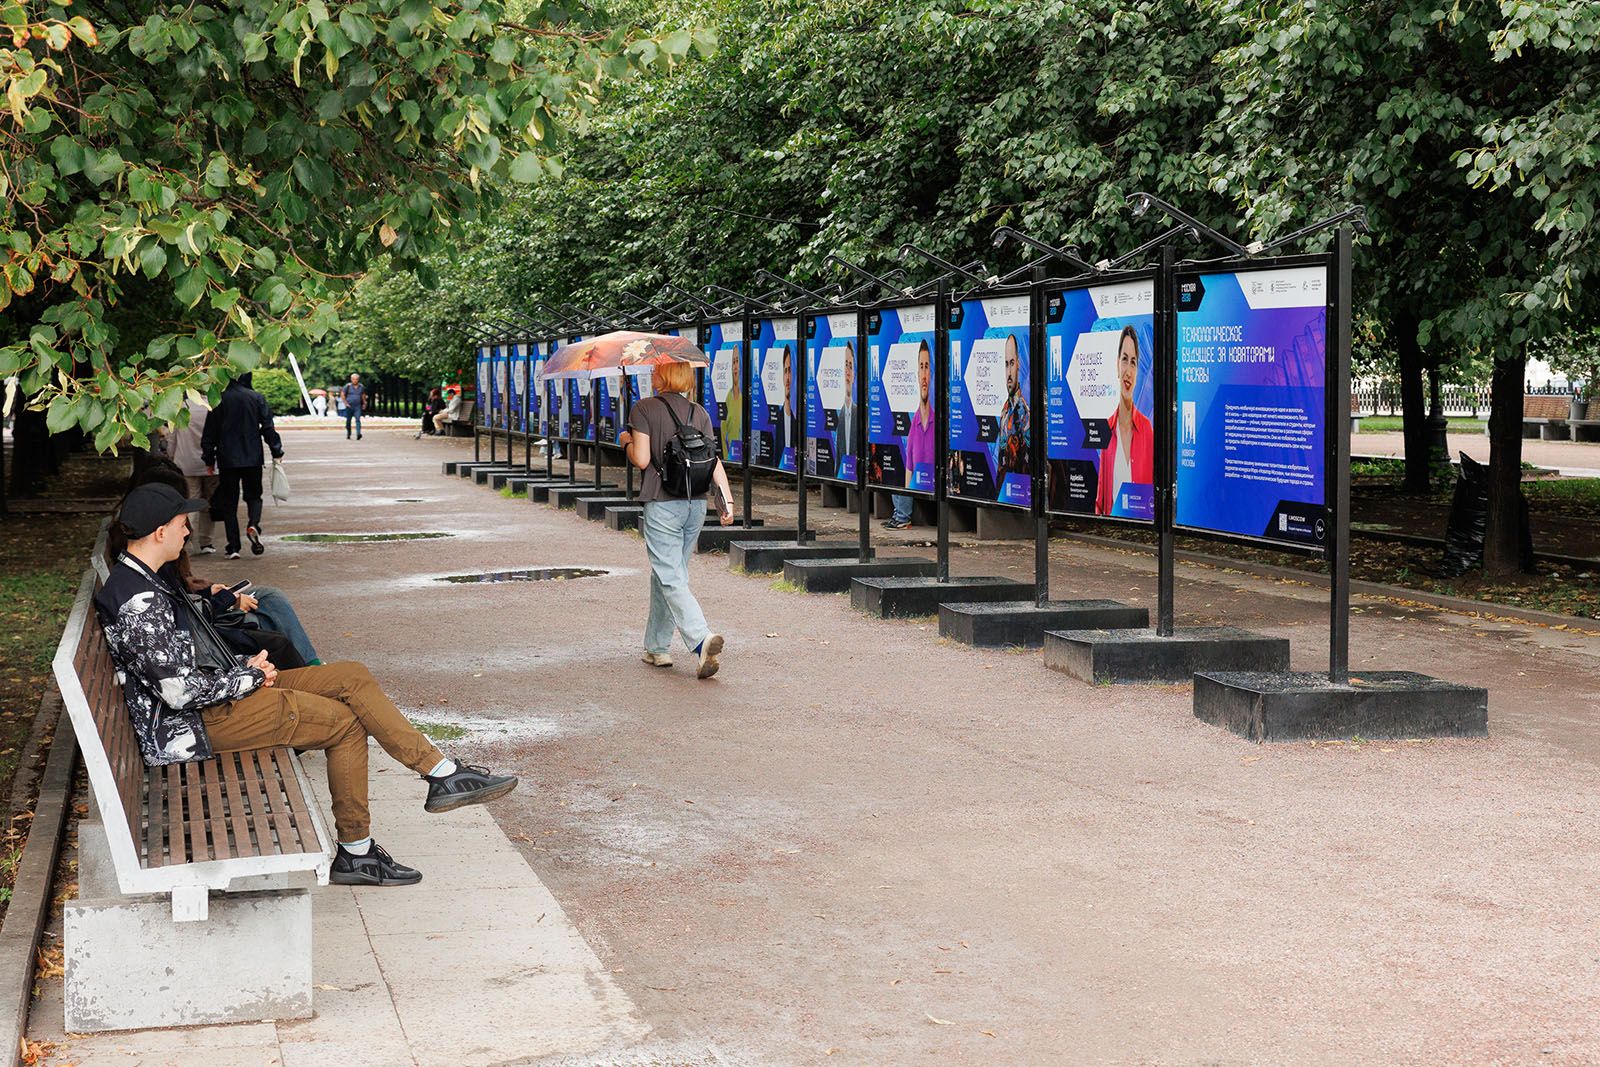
x,y
462,421
1546,417
188,829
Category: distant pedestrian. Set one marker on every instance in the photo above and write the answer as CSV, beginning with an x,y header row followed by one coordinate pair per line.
x,y
231,443
672,520
451,412
354,395
200,478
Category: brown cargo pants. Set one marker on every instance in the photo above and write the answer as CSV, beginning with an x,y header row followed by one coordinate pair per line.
x,y
335,707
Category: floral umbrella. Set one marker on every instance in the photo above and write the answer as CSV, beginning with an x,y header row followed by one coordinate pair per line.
x,y
620,352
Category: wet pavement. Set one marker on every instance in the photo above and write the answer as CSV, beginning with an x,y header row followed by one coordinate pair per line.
x,y
862,844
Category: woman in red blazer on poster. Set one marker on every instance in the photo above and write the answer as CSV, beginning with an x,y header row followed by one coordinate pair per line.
x,y
1130,457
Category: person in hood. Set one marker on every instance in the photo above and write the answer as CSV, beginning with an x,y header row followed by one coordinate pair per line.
x,y
190,696
231,443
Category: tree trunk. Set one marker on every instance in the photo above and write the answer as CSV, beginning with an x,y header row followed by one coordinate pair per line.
x,y
1503,553
1413,401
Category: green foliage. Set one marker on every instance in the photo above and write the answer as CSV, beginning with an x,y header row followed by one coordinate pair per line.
x,y
188,190
1575,355
280,389
844,126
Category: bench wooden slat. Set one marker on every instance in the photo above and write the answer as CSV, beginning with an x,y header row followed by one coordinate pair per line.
x,y
216,811
228,771
172,786
277,806
194,810
299,806
249,784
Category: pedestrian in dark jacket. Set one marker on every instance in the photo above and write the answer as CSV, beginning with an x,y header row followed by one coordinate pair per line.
x,y
190,696
232,446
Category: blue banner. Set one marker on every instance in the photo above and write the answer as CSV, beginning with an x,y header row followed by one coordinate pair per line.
x,y
517,387
610,410
497,386
580,408
481,390
1099,402
988,443
722,389
538,410
774,393
833,396
1251,400
902,397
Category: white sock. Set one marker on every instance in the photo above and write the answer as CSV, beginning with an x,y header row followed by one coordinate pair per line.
x,y
357,848
442,768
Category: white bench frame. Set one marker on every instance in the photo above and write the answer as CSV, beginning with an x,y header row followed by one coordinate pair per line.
x,y
188,884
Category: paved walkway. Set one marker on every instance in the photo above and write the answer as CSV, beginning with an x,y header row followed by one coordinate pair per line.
x,y
1573,459
862,845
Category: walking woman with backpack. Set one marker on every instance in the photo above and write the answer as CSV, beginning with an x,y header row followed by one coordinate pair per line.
x,y
670,440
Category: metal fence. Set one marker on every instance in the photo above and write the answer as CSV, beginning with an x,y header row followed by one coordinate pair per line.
x,y
1382,397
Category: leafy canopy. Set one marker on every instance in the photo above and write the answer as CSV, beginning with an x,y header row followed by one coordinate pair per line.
x,y
187,189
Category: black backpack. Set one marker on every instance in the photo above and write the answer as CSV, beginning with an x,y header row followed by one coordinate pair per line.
x,y
687,460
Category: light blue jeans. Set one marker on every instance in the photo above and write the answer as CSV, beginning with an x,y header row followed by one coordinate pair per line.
x,y
274,612
902,506
671,533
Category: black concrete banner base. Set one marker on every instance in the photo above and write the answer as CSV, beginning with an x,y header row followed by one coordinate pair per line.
x,y
628,516
717,538
470,470
1013,623
1302,706
593,508
482,475
464,467
912,598
520,482
768,557
565,496
1104,655
835,575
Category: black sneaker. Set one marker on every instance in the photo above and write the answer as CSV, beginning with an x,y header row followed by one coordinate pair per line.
x,y
468,785
896,524
255,540
377,867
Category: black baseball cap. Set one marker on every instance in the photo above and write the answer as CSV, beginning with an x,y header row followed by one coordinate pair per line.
x,y
152,505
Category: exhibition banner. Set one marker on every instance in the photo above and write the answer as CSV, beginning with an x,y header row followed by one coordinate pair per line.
x,y
902,369
833,397
1252,401
610,409
722,390
988,442
1099,402
580,409
517,387
497,384
774,393
538,410
481,395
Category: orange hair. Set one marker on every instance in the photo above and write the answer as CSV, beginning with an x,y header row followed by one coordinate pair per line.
x,y
672,378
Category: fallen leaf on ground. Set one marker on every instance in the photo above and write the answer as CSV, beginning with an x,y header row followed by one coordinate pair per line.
x,y
986,1033
772,635
937,1021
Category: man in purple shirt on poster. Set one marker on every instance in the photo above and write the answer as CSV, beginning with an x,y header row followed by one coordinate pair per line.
x,y
919,442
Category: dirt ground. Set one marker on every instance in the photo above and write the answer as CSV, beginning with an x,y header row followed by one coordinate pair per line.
x,y
861,844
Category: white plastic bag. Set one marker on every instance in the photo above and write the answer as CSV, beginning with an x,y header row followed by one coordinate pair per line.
x,y
280,483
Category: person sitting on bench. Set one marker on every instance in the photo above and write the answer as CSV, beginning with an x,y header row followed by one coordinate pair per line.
x,y
190,696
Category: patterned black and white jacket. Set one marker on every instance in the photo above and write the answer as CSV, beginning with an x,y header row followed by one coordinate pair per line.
x,y
169,664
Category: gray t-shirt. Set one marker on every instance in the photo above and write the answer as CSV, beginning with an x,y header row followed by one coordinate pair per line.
x,y
650,416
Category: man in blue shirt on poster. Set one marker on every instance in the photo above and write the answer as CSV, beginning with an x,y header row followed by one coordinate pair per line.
x,y
355,398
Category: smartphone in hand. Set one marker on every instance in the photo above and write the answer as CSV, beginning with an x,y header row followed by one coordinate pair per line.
x,y
238,587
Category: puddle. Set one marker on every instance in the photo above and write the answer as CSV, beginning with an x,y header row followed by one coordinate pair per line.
x,y
532,574
334,538
448,728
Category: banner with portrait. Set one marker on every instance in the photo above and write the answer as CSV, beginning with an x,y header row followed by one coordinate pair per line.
x,y
722,388
833,396
988,452
902,368
774,393
1099,399
517,387
580,407
481,386
610,401
497,385
1252,401
538,410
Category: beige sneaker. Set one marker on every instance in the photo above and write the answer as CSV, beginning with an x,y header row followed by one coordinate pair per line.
x,y
658,659
710,649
